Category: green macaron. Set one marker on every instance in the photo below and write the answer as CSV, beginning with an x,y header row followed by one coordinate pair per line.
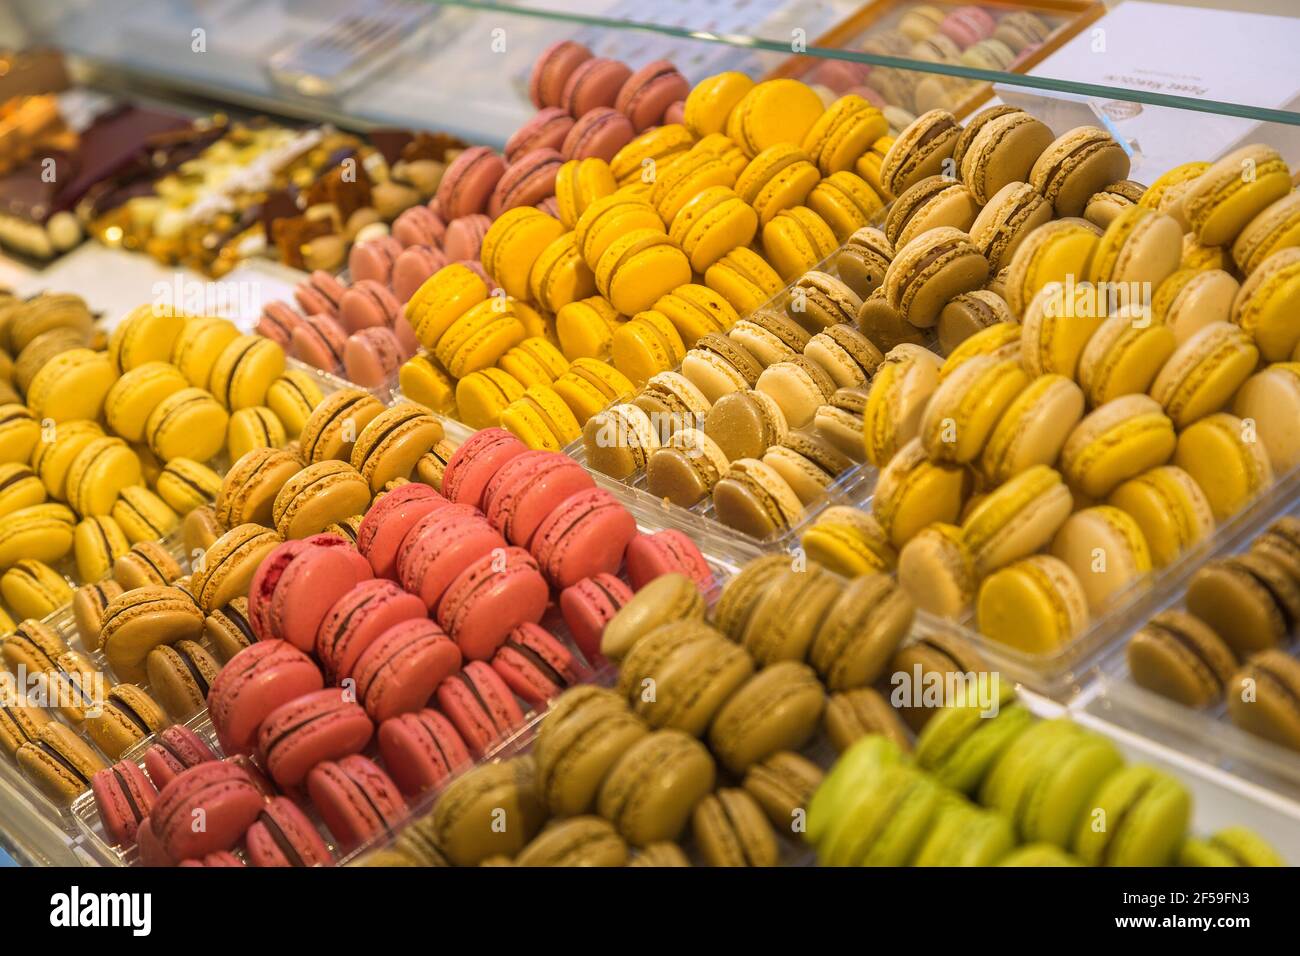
x,y
856,766
1138,818
964,835
960,744
1232,846
884,822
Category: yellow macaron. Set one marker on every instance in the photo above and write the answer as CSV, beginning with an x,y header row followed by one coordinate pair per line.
x,y
780,177
967,405
423,380
711,101
650,155
1118,441
1035,605
57,449
482,396
541,420
137,393
913,492
19,487
146,334
97,542
1205,372
253,427
743,278
638,267
1170,508
19,433
774,111
843,133
1226,458
143,515
187,424
688,175
99,473
480,337
33,589
712,223
534,361
512,244
245,370
442,299
589,386
578,184
646,345
560,275
292,397
846,202
71,385
199,345
585,328
795,240
185,484
43,532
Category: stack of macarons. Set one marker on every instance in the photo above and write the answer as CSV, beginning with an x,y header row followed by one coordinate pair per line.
x,y
751,183
760,419
881,806
973,35
356,330
1234,638
112,450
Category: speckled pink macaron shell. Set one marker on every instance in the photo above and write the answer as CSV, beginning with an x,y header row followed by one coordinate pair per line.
x,y
413,267
598,134
464,236
544,130
528,180
374,259
319,341
368,304
595,82
552,70
647,93
419,226
372,356
468,182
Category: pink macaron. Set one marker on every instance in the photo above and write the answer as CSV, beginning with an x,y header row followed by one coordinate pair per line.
x,y
475,462
587,534
598,134
319,341
374,259
407,340
468,182
839,75
544,130
220,794
282,835
441,545
418,226
262,587
319,294
676,113
490,598
967,25
368,304
528,180
347,546
277,322
401,669
480,706
357,619
476,267
870,95
413,267
588,605
666,552
356,799
309,587
527,488
323,725
535,664
465,236
647,94
421,749
550,205
253,683
372,356
173,752
124,796
594,82
552,70
389,519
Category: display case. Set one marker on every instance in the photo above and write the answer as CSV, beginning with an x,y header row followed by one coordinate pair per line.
x,y
460,70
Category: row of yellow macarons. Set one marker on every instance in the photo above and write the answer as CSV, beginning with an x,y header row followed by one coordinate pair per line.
x,y
672,194
1002,466
95,487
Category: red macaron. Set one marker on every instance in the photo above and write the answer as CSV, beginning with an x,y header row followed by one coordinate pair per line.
x,y
552,70
386,524
440,546
588,605
535,664
282,835
468,182
220,794
124,796
253,683
323,725
586,535
401,669
173,752
479,704
476,462
422,749
490,598
646,95
356,799
652,555
527,488
356,619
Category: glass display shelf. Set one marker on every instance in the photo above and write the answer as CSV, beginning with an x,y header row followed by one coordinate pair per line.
x,y
462,65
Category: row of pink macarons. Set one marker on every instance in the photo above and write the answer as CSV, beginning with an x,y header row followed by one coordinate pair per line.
x,y
966,27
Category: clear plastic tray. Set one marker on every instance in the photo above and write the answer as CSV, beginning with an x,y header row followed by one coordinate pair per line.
x,y
1068,671
1207,734
724,560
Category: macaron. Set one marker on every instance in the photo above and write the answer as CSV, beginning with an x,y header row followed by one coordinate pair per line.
x,y
356,799
1110,533
930,270
1264,302
1248,600
1222,200
1016,519
754,499
1116,442
1180,657
919,151
1036,604
1268,712
1076,165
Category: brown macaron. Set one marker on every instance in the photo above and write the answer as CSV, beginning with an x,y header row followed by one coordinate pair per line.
x,y
248,491
199,529
147,564
935,653
853,714
1248,600
88,605
129,715
180,675
1180,657
808,463
137,621
59,762
783,784
228,629
861,631
745,424
1264,698
34,646
20,724
934,201
231,562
